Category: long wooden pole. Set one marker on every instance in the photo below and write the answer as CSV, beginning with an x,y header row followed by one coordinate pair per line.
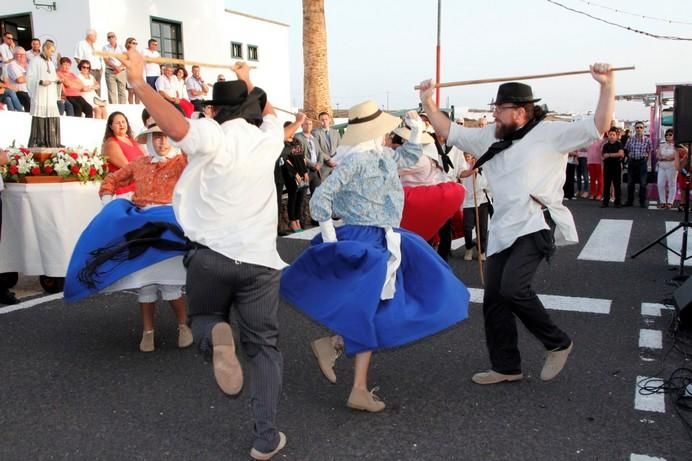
x,y
164,60
518,77
478,229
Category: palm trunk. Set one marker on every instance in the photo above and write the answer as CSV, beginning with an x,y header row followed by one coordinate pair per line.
x,y
316,70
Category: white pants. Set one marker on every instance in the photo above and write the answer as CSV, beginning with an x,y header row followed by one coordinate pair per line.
x,y
666,176
150,293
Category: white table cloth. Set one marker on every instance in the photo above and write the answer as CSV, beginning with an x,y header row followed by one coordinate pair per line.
x,y
41,224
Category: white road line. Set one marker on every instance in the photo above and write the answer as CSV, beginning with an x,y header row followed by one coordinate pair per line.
x,y
305,235
608,242
561,303
30,303
654,309
674,241
650,339
653,402
635,457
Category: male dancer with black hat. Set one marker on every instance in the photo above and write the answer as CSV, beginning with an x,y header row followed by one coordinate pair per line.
x,y
524,163
225,201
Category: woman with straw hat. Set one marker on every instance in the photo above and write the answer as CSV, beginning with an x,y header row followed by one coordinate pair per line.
x,y
364,285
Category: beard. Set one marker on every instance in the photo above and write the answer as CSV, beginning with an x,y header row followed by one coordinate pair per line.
x,y
502,130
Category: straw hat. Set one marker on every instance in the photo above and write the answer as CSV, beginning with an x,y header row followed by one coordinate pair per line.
x,y
405,133
142,137
366,121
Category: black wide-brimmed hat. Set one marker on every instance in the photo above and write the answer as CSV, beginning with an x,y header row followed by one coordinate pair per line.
x,y
515,93
237,101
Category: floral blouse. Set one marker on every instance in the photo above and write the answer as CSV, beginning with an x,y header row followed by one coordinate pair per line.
x,y
365,188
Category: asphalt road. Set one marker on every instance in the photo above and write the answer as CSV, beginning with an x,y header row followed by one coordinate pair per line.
x,y
75,386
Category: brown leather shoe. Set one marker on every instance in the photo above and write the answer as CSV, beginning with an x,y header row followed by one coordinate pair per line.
x,y
361,399
554,362
261,456
493,377
326,355
227,369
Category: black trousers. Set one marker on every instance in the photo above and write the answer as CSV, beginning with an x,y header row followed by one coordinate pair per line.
x,y
295,201
612,174
568,188
6,277
481,228
81,106
508,293
444,248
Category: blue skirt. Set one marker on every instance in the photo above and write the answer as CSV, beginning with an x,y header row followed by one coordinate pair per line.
x,y
117,223
339,284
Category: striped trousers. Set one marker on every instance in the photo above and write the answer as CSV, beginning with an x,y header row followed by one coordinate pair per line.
x,y
215,284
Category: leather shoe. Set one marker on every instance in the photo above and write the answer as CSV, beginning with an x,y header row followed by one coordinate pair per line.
x,y
493,377
326,355
261,456
364,400
227,370
554,362
7,297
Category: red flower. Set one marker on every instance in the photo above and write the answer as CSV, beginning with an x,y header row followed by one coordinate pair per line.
x,y
74,169
35,171
74,155
16,157
48,169
13,169
24,150
92,171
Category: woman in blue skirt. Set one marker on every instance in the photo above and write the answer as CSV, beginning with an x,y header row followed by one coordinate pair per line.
x,y
373,284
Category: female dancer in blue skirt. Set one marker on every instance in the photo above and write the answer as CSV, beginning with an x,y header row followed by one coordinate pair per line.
x,y
373,284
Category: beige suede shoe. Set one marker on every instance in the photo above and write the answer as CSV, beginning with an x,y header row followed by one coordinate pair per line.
x,y
326,355
361,399
493,377
227,370
147,343
258,455
185,338
554,362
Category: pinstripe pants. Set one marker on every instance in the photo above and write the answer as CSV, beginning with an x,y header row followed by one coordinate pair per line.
x,y
214,284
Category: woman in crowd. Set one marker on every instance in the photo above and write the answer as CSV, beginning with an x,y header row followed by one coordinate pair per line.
x,y
132,98
44,88
374,285
476,197
119,147
181,89
295,174
73,87
97,104
123,227
665,156
680,164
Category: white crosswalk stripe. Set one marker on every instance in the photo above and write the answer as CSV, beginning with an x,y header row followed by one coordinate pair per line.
x,y
608,241
674,241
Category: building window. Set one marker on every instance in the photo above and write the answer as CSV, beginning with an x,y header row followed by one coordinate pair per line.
x,y
236,50
170,37
252,53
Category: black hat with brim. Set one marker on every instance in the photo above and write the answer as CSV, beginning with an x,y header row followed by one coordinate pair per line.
x,y
237,102
514,93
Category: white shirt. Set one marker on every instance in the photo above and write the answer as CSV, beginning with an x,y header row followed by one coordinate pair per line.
x,y
226,197
194,84
114,49
14,71
6,53
85,50
481,183
533,166
168,85
30,55
151,69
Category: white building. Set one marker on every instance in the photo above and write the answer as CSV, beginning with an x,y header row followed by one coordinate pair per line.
x,y
203,31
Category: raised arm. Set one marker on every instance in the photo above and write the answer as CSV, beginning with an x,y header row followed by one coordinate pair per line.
x,y
438,120
606,99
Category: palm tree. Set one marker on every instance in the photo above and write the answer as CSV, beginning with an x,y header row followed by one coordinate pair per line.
x,y
316,70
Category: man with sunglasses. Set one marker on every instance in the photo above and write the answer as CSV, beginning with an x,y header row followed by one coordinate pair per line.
x,y
7,49
524,164
638,149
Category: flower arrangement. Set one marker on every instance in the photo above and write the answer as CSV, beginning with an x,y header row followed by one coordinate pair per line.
x,y
64,164
21,163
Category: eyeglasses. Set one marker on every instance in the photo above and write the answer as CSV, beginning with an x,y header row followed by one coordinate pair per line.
x,y
669,134
501,108
85,67
638,127
134,43
111,36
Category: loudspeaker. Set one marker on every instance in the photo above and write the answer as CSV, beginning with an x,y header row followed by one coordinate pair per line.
x,y
682,114
682,298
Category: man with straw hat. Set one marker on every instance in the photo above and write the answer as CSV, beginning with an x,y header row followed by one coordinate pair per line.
x,y
524,163
225,201
373,284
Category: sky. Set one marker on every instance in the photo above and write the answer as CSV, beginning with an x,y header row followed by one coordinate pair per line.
x,y
380,49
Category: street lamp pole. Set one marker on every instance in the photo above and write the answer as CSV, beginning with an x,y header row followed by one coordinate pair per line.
x,y
437,63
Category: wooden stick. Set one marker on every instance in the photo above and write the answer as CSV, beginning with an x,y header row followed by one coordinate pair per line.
x,y
163,60
520,77
478,229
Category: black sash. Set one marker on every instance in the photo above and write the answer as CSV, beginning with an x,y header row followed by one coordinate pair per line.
x,y
505,143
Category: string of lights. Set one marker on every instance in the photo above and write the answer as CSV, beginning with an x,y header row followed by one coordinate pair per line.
x,y
643,16
631,29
